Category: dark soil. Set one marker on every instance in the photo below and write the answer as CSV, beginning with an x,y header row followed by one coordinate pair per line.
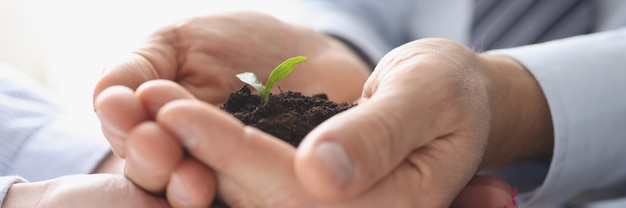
x,y
287,115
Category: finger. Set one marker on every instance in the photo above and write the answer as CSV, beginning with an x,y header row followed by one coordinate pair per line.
x,y
417,181
253,160
119,111
192,184
486,191
152,156
156,93
488,180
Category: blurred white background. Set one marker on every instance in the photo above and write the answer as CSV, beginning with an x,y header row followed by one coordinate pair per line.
x,y
65,43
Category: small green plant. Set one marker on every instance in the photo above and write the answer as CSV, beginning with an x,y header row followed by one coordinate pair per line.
x,y
280,72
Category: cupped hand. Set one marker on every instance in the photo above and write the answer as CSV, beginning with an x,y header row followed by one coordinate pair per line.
x,y
96,190
418,134
203,54
254,169
432,113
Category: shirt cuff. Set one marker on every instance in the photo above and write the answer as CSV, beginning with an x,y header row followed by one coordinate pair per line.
x,y
339,22
583,81
5,184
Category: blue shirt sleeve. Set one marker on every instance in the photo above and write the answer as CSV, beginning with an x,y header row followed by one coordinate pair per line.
x,y
39,140
376,27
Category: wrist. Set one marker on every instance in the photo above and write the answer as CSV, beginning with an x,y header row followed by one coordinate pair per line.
x,y
25,194
356,50
521,124
315,43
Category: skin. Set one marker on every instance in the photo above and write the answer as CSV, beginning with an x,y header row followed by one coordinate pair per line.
x,y
428,101
94,190
257,173
206,69
105,187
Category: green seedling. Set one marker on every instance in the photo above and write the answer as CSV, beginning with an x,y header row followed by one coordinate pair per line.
x,y
280,72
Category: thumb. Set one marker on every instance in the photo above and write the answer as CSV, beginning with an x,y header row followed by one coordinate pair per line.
x,y
349,153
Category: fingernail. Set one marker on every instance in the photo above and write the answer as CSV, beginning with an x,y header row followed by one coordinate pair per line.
x,y
336,161
177,189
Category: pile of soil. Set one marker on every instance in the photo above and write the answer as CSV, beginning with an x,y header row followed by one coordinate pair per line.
x,y
288,115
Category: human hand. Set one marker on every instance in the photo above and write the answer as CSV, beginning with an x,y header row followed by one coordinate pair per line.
x,y
96,190
253,169
431,114
203,55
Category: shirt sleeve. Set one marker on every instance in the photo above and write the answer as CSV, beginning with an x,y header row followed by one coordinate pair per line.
x,y
375,27
5,184
584,81
39,140
371,25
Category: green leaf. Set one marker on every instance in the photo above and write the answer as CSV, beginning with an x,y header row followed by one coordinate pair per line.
x,y
252,80
280,72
